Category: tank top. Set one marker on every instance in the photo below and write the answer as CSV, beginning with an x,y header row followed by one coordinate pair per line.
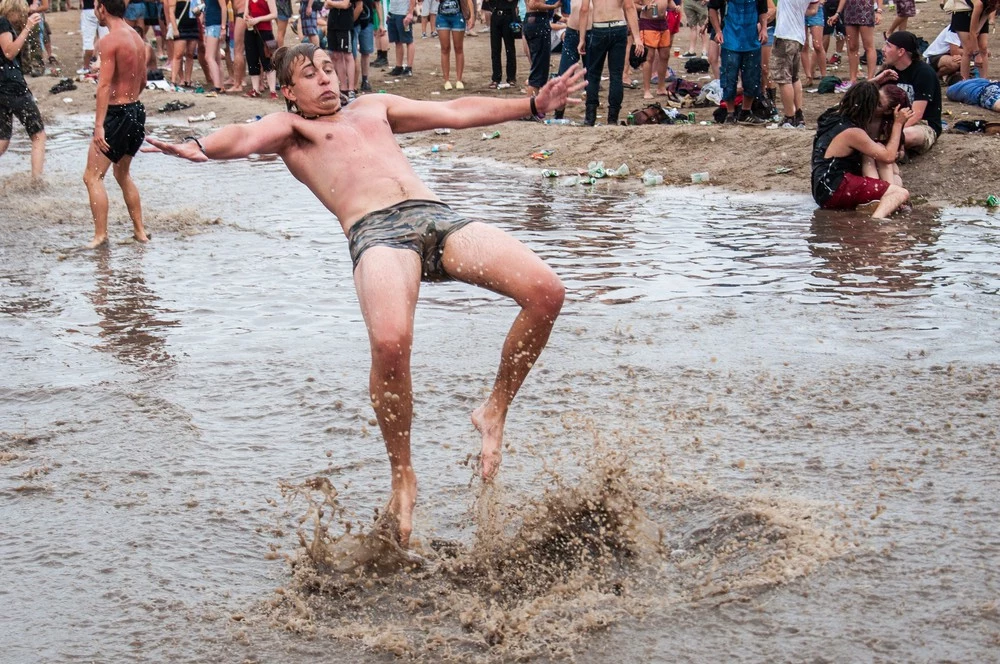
x,y
828,172
259,8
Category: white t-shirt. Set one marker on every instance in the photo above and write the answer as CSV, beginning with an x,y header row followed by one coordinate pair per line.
x,y
791,20
941,45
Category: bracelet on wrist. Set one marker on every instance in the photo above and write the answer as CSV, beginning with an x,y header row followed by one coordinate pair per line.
x,y
196,142
534,108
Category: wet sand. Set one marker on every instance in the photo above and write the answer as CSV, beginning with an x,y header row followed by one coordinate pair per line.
x,y
759,433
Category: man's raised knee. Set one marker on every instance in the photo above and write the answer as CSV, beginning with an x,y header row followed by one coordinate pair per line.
x,y
391,347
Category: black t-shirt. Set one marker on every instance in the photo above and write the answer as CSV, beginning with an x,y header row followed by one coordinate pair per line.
x,y
367,14
11,77
921,84
340,19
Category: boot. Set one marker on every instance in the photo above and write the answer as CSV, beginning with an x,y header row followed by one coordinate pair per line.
x,y
613,115
590,115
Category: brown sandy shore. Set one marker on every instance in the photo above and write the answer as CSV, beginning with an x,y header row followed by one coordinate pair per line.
x,y
960,170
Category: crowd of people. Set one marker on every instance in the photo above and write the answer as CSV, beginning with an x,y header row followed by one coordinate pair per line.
x,y
762,52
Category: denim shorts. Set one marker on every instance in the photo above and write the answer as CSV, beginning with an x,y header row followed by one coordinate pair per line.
x,y
213,31
398,33
451,22
364,40
817,20
990,96
134,11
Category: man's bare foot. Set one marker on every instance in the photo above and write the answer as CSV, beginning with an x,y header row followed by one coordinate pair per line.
x,y
662,93
401,502
141,236
491,428
647,95
97,242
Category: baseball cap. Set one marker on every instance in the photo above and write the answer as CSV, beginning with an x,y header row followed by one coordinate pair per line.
x,y
905,40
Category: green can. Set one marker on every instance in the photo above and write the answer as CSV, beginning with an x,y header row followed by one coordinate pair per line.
x,y
692,117
992,201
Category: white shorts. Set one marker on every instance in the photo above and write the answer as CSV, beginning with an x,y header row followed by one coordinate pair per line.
x,y
89,27
428,7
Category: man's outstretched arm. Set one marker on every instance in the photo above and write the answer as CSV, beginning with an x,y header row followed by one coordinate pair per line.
x,y
269,135
406,115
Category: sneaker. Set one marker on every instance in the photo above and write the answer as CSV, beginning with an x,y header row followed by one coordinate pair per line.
x,y
788,123
503,86
434,34
380,62
447,85
730,119
800,119
407,71
423,35
689,54
459,85
274,95
842,87
748,118
366,86
351,95
396,71
82,72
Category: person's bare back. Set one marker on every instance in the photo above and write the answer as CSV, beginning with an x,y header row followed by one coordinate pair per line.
x,y
125,51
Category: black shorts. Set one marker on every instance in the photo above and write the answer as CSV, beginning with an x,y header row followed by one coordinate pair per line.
x,y
962,22
154,13
339,41
124,130
26,110
934,60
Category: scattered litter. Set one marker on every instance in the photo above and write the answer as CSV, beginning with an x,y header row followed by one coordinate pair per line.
x,y
175,105
487,137
442,147
67,100
159,85
436,92
620,172
698,178
253,119
547,173
651,178
558,121
780,170
442,132
541,155
991,201
596,169
204,117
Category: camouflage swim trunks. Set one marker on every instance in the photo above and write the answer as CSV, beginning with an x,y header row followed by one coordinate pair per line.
x,y
419,225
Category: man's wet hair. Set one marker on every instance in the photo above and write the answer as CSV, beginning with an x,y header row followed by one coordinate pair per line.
x,y
114,7
284,61
860,103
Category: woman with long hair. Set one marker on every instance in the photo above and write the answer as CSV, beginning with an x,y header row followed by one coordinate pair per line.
x,y
15,97
842,141
860,20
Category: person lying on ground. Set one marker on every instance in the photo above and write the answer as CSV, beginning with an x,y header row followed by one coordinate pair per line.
x,y
842,141
976,92
400,233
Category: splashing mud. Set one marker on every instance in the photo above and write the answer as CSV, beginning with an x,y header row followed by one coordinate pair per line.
x,y
605,546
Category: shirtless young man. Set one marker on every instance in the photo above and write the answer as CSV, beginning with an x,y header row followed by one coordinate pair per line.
x,y
605,26
119,125
400,233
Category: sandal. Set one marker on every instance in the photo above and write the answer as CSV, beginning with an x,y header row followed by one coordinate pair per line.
x,y
493,85
252,94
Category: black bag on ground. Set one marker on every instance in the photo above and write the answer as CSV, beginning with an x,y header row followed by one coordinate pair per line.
x,y
696,66
652,114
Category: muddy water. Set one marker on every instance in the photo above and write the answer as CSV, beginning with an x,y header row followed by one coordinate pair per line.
x,y
759,433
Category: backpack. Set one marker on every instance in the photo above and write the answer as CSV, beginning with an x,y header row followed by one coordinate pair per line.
x,y
364,16
652,114
828,85
683,88
696,66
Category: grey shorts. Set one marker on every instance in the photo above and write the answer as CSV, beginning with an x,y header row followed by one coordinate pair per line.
x,y
419,225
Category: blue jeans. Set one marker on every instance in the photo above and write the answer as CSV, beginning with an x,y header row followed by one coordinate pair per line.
x,y
538,35
570,53
742,64
607,44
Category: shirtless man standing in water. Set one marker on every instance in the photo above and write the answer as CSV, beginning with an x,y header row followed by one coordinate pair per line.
x,y
400,233
119,125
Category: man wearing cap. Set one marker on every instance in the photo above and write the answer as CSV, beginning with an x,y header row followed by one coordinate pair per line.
x,y
907,69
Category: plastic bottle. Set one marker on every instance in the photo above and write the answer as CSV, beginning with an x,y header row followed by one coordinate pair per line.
x,y
558,121
596,169
441,147
698,178
630,120
620,172
651,178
